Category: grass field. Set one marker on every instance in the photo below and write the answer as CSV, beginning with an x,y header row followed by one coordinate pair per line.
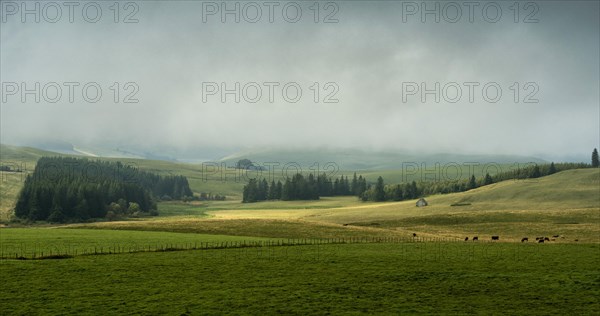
x,y
46,241
416,278
215,178
411,277
565,204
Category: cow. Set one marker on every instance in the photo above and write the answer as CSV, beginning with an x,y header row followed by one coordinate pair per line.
x,y
524,239
546,239
495,237
576,239
541,241
414,234
475,238
556,236
466,238
538,238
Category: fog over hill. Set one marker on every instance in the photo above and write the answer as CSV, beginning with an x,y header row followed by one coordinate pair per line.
x,y
364,79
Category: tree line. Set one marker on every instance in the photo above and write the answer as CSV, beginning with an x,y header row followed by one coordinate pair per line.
x,y
299,187
70,189
408,191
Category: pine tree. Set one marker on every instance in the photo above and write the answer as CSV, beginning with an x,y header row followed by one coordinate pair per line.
x,y
595,160
362,185
279,190
273,191
286,192
415,189
472,183
379,190
354,185
488,179
263,190
249,194
336,186
397,193
535,173
552,168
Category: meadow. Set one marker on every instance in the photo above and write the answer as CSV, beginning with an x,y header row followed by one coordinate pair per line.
x,y
374,264
214,178
39,242
565,204
411,278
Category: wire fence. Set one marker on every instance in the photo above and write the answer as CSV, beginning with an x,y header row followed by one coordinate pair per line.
x,y
26,251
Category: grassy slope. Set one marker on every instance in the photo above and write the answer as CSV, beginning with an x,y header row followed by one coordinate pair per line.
x,y
566,204
411,278
26,158
352,159
208,178
23,158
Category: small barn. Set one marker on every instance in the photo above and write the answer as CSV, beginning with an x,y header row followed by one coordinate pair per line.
x,y
421,202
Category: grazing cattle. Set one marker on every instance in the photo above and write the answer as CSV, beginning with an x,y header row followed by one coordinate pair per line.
x,y
475,238
576,239
556,236
546,239
524,239
495,237
541,241
466,238
414,234
538,238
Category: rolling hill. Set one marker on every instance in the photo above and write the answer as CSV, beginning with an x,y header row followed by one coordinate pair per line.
x,y
352,159
565,204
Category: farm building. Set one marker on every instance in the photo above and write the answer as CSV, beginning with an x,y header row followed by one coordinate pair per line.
x,y
421,202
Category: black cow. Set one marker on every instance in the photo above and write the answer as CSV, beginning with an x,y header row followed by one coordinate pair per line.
x,y
495,237
541,241
556,236
546,239
475,238
466,238
524,239
414,234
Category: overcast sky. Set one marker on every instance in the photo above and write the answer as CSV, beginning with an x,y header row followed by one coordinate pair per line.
x,y
376,53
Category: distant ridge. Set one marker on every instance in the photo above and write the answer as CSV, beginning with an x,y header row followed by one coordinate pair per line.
x,y
363,160
345,159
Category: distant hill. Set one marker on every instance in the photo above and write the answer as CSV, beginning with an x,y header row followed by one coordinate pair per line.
x,y
25,158
363,160
9,154
203,179
577,188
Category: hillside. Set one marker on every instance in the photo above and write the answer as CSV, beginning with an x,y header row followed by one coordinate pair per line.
x,y
351,159
28,155
565,204
200,180
213,178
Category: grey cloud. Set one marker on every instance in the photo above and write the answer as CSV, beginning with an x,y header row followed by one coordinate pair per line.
x,y
369,53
